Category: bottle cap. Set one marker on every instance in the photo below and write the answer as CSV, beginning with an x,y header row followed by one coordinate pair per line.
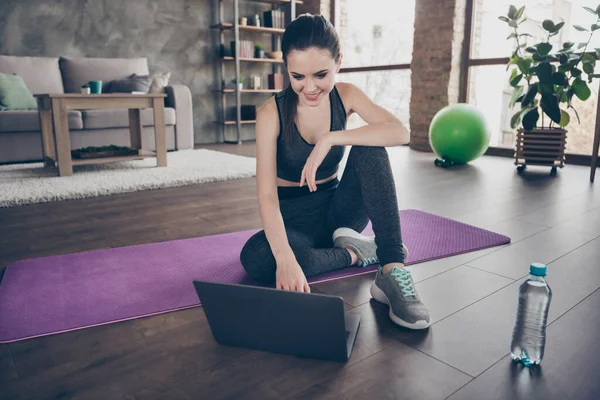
x,y
537,269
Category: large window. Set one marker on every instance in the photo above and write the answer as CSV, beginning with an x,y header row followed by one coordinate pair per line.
x,y
377,48
370,36
389,89
488,84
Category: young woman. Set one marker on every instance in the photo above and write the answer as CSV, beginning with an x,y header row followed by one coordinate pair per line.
x,y
311,218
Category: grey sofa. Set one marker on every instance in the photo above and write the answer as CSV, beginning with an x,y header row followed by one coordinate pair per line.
x,y
20,135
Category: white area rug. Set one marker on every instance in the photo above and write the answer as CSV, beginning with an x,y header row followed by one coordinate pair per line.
x,y
30,183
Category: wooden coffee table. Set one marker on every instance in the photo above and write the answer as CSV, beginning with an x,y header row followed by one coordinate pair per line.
x,y
53,109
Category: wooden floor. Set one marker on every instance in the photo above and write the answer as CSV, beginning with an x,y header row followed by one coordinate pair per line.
x,y
472,297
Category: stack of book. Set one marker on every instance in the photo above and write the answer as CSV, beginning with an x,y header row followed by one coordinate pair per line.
x,y
274,19
246,48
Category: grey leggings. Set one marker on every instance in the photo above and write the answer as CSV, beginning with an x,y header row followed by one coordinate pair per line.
x,y
366,191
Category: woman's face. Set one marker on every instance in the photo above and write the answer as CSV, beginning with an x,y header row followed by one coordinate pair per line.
x,y
312,74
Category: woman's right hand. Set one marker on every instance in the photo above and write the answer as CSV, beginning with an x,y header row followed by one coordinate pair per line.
x,y
289,276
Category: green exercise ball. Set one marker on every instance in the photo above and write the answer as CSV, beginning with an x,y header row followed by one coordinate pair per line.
x,y
459,133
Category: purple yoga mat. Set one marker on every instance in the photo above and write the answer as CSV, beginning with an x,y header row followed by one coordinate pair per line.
x,y
55,294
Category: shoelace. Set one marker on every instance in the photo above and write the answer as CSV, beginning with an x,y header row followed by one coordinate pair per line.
x,y
368,261
404,279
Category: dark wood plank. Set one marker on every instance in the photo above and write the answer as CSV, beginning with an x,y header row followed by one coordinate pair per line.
x,y
454,290
564,210
513,261
476,337
569,369
515,229
585,223
8,370
119,360
390,374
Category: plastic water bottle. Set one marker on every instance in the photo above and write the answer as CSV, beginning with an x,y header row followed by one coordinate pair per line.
x,y
529,334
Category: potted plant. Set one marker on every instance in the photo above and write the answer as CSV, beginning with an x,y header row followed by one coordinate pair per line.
x,y
85,89
545,78
240,82
259,50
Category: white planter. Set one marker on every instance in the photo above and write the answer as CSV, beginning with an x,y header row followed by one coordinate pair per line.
x,y
240,86
85,90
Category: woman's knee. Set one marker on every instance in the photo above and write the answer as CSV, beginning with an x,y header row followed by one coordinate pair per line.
x,y
255,258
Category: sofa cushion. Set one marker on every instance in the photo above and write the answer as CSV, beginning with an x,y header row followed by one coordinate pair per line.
x,y
14,94
78,71
102,119
41,74
29,121
133,83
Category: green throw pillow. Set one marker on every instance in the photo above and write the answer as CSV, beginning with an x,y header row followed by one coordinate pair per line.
x,y
14,94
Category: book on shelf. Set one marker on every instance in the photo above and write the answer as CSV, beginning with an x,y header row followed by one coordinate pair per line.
x,y
274,19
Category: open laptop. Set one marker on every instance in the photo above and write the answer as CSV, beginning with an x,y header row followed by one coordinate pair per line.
x,y
300,324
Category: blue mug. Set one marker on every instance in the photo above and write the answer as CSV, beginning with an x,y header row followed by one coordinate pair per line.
x,y
95,87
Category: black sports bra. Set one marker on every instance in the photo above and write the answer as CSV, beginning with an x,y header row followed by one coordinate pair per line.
x,y
291,157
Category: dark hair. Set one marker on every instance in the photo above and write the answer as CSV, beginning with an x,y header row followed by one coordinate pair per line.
x,y
302,33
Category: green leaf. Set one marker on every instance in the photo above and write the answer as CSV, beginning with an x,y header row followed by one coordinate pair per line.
x,y
543,48
563,58
575,72
514,82
565,118
598,10
564,68
568,45
580,28
581,45
531,50
516,119
581,89
548,25
550,107
525,34
563,97
512,35
590,10
588,58
502,18
520,13
557,27
516,94
512,23
524,65
533,89
588,68
560,79
512,12
595,27
544,72
597,52
530,119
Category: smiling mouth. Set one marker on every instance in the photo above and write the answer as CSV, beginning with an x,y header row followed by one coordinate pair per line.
x,y
312,96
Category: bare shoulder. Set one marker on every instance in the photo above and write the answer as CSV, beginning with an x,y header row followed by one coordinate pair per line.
x,y
348,93
267,118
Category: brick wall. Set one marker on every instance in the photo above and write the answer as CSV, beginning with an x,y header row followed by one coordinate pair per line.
x,y
435,68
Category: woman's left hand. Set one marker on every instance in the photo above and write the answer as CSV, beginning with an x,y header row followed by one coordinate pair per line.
x,y
313,162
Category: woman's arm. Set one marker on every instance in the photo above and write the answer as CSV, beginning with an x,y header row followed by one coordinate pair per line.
x,y
289,274
383,128
267,130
